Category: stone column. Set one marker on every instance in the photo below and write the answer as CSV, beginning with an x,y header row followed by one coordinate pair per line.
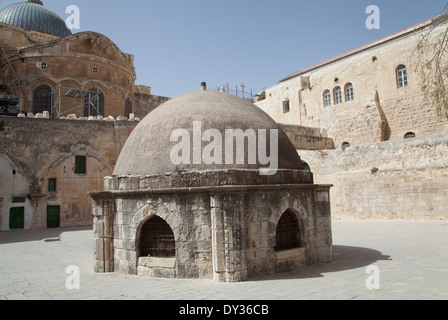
x,y
324,238
228,238
104,239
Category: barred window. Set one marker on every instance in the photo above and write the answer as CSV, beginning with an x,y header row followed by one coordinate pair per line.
x,y
157,239
42,99
288,233
93,103
80,165
327,98
337,95
286,106
402,76
127,108
349,92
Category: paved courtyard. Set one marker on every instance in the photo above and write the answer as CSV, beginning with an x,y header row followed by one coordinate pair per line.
x,y
395,259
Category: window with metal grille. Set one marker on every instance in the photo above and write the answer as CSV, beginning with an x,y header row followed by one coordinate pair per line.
x,y
52,185
42,99
93,103
127,108
288,233
80,165
18,199
402,76
327,98
157,239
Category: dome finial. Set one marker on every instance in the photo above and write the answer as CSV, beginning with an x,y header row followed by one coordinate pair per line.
x,y
36,2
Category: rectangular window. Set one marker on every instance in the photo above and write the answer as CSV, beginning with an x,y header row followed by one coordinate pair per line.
x,y
18,199
52,185
80,165
349,92
286,107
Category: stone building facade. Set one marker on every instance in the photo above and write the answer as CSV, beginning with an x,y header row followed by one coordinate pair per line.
x,y
48,166
51,156
222,221
369,94
53,70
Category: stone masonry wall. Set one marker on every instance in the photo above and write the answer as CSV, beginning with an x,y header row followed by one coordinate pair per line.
x,y
405,179
32,151
380,110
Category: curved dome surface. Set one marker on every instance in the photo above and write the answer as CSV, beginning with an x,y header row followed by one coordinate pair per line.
x,y
149,147
33,16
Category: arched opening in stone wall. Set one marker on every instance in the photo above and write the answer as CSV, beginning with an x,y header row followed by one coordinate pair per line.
x,y
157,239
410,135
306,166
127,108
288,232
42,99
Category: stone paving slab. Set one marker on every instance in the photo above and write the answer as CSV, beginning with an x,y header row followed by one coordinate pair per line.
x,y
411,258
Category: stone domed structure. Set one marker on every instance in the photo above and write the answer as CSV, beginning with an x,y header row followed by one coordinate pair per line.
x,y
147,151
210,215
33,16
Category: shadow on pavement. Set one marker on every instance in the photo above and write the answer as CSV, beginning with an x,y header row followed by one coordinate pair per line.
x,y
16,236
345,258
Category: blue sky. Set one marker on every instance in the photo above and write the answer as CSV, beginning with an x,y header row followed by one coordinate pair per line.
x,y
177,44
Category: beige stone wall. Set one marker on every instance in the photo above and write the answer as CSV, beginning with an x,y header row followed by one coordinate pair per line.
x,y
405,179
380,110
34,150
69,64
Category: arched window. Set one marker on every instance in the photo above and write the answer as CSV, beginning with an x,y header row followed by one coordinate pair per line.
x,y
409,135
337,95
402,76
327,98
349,92
306,167
42,99
288,233
157,239
93,103
345,145
127,108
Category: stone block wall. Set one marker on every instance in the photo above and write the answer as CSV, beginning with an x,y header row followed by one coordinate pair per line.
x,y
405,179
32,151
222,232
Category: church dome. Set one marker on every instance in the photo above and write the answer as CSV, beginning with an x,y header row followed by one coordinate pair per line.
x,y
33,16
149,149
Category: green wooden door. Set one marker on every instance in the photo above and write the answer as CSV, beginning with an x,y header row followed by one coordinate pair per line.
x,y
53,216
17,218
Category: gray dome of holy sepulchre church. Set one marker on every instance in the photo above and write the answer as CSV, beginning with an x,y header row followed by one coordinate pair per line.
x,y
32,15
220,220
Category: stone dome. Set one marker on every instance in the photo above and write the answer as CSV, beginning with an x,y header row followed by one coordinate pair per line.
x,y
33,16
149,147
